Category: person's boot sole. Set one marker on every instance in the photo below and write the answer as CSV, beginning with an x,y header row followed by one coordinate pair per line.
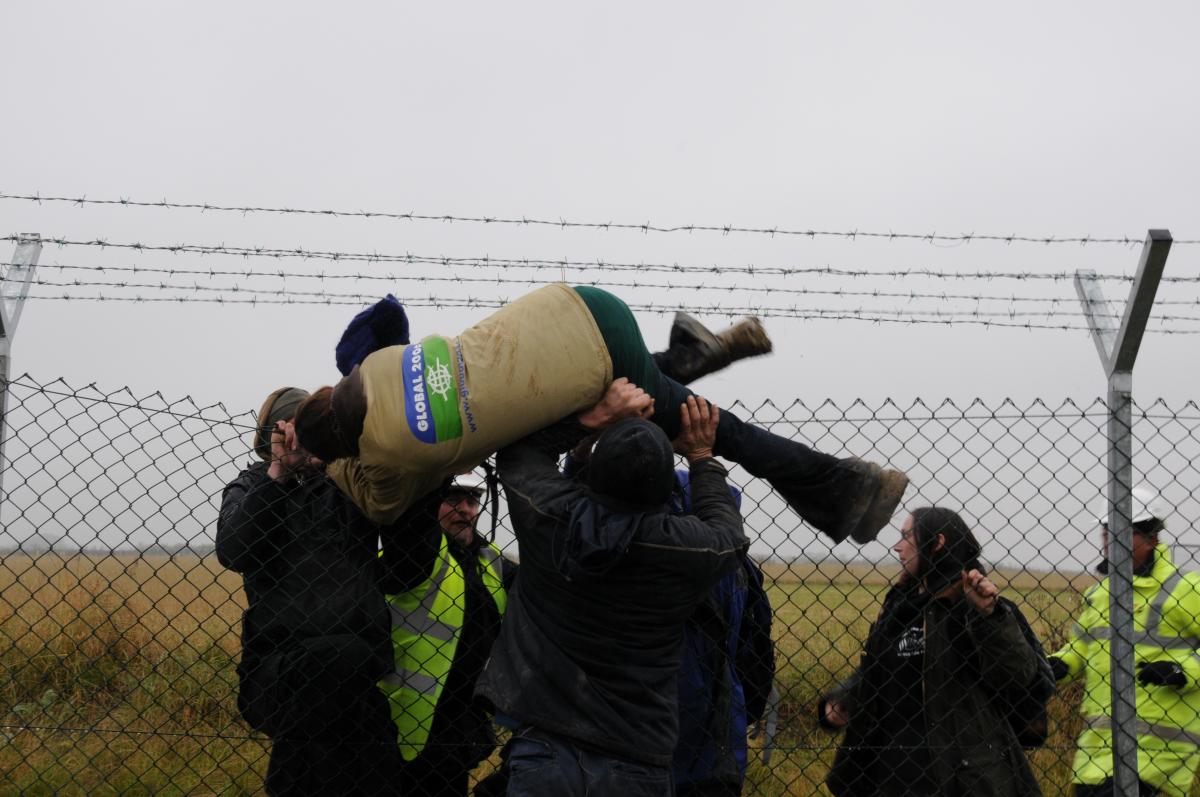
x,y
892,484
746,338
688,331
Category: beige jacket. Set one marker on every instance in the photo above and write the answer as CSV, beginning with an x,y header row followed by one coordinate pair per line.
x,y
440,407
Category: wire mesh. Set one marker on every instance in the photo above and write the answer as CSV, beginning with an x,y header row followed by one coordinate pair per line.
x,y
121,632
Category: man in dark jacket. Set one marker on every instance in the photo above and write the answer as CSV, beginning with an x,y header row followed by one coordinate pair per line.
x,y
315,633
587,658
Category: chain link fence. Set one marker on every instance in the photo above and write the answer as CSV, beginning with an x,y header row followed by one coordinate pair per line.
x,y
120,631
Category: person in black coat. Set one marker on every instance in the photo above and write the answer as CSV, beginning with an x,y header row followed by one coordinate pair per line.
x,y
586,663
928,710
316,633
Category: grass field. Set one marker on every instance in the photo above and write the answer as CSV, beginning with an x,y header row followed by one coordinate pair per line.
x,y
117,674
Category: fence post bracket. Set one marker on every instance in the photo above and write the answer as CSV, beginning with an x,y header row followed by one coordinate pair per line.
x,y
1118,349
15,279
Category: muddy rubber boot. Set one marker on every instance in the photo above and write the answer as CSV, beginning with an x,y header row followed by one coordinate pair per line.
x,y
746,338
694,351
877,500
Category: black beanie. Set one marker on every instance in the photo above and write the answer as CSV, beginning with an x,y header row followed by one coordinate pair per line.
x,y
634,464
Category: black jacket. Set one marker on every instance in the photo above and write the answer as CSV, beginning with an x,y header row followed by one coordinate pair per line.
x,y
592,635
974,666
308,561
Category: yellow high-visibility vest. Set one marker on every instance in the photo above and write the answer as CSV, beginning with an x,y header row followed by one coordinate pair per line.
x,y
426,625
1166,624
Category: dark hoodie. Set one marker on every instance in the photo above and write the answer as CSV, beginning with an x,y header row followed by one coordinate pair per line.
x,y
592,635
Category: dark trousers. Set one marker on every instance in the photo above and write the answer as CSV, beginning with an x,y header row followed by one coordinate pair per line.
x,y
330,726
427,776
1106,789
821,488
545,765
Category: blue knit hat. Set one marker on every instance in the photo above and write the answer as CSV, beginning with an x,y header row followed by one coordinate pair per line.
x,y
382,324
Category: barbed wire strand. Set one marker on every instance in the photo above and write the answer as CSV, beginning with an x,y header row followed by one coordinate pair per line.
x,y
605,283
643,227
473,303
750,310
599,265
910,295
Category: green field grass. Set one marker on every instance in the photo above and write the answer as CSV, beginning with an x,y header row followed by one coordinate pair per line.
x,y
117,674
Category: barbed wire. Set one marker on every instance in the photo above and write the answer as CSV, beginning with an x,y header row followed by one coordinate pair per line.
x,y
564,263
371,298
806,314
910,295
643,227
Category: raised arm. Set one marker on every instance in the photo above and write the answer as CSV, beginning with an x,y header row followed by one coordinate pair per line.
x,y
1006,659
251,506
529,467
712,501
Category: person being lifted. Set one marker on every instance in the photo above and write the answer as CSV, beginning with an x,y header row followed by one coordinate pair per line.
x,y
412,415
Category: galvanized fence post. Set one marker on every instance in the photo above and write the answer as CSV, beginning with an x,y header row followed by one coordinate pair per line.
x,y
1118,348
15,280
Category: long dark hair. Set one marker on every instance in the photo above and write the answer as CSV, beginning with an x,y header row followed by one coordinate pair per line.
x,y
939,569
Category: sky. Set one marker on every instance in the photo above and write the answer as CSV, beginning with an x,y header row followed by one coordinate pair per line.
x,y
1029,119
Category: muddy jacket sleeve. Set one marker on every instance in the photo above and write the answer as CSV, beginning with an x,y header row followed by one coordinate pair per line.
x,y
382,494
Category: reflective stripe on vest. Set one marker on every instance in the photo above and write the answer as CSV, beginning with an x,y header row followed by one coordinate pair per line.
x,y
491,557
1140,638
1150,636
1164,732
426,624
493,574
422,620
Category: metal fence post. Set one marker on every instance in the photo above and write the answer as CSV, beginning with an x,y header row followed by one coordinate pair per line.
x,y
1118,348
15,280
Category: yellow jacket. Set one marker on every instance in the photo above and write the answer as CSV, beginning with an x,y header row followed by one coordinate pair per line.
x,y
427,623
1166,619
441,406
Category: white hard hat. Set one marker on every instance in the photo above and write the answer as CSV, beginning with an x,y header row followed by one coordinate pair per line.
x,y
1147,505
470,482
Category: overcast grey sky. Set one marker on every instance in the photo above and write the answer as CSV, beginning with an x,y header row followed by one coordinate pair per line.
x,y
1029,118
